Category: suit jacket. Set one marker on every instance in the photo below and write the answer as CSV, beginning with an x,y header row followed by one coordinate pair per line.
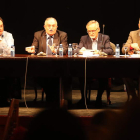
x,y
134,37
103,40
39,40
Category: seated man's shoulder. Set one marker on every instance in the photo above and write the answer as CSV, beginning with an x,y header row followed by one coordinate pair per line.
x,y
84,37
134,32
6,33
61,32
107,36
104,35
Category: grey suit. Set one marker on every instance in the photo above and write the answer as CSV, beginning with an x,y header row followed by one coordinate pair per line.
x,y
39,40
103,40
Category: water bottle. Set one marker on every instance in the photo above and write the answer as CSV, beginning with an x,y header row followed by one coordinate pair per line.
x,y
13,51
60,50
117,52
70,50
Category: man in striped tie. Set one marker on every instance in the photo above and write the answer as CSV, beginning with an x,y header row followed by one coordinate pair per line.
x,y
44,39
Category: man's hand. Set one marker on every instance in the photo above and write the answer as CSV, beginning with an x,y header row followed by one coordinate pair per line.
x,y
52,48
30,49
135,46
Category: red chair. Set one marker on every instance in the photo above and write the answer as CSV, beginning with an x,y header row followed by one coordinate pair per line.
x,y
12,119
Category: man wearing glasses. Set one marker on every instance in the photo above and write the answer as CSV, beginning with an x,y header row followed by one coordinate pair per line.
x,y
95,41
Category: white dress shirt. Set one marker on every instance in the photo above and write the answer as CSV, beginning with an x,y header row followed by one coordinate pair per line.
x,y
94,44
7,39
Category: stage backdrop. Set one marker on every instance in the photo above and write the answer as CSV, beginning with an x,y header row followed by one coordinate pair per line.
x,y
23,18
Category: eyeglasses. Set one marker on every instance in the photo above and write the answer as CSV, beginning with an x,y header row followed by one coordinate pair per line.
x,y
91,31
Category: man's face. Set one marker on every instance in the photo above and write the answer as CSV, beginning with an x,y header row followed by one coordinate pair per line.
x,y
50,27
93,31
1,27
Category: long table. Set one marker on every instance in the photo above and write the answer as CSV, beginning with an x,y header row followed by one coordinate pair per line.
x,y
66,67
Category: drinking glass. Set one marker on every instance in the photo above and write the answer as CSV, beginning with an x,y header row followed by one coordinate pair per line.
x,y
56,46
74,47
125,48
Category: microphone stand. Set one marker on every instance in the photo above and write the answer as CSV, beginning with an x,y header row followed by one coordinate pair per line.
x,y
102,46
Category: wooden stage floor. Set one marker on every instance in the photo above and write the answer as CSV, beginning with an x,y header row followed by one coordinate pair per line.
x,y
31,108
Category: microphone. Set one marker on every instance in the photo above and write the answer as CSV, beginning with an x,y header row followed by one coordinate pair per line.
x,y
103,28
102,46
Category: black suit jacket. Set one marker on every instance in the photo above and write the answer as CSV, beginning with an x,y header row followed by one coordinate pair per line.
x,y
103,40
39,40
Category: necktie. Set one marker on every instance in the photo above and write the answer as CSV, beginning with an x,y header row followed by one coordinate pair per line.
x,y
48,50
50,41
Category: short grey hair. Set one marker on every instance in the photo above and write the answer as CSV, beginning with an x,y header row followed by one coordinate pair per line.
x,y
93,22
49,19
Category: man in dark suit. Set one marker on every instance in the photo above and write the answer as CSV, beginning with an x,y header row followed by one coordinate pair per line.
x,y
43,42
98,43
94,40
42,39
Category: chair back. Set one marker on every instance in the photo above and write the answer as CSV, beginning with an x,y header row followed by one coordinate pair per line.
x,y
113,46
12,119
